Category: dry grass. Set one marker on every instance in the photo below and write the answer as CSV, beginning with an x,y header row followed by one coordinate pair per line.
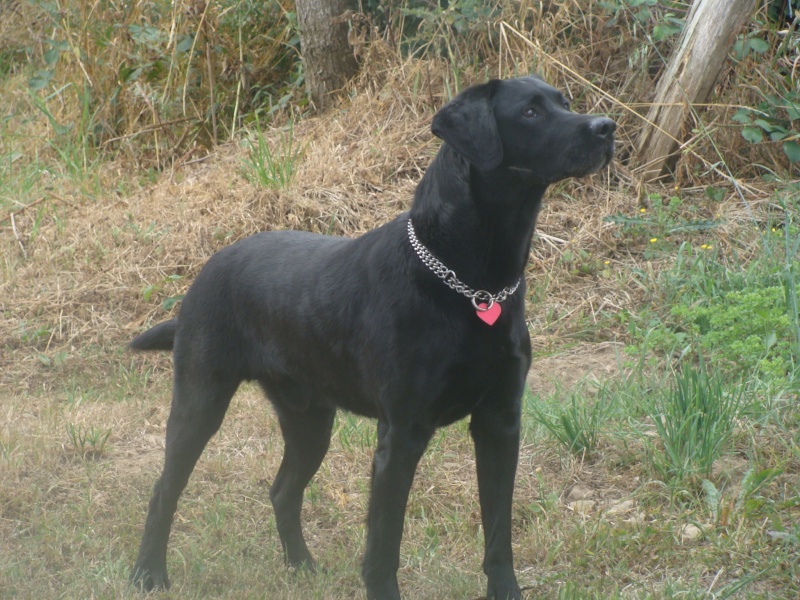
x,y
79,251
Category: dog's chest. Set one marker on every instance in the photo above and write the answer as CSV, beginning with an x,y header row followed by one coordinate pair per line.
x,y
478,374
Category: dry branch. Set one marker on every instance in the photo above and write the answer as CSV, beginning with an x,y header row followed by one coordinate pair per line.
x,y
710,31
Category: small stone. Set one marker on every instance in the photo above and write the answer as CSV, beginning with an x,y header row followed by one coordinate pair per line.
x,y
621,507
690,532
581,506
636,518
580,492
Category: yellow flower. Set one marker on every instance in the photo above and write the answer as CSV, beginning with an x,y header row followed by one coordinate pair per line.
x,y
606,262
653,240
642,210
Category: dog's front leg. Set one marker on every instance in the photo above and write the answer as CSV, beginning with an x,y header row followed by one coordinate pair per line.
x,y
399,449
495,430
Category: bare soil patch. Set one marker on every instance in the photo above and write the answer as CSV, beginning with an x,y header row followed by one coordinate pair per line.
x,y
590,363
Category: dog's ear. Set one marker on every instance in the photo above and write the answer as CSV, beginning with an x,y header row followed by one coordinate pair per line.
x,y
467,123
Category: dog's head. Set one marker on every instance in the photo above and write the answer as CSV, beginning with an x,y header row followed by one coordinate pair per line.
x,y
527,126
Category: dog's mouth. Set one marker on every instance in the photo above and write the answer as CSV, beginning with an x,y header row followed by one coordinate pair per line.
x,y
593,161
579,159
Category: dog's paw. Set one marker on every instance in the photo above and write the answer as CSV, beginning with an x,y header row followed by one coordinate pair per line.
x,y
504,590
306,567
147,580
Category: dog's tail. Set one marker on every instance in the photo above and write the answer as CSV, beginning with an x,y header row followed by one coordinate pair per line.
x,y
160,337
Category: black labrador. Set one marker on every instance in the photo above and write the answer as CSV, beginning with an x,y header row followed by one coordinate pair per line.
x,y
417,323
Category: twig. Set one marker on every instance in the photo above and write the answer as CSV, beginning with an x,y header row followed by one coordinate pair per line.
x,y
148,129
16,235
24,208
211,82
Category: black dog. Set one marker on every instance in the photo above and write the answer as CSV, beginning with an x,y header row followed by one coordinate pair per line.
x,y
418,324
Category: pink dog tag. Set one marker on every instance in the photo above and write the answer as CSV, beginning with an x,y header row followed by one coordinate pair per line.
x,y
489,315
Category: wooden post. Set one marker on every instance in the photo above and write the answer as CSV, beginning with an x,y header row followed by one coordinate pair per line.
x,y
709,32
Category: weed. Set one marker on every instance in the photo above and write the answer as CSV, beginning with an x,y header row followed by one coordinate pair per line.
x,y
577,427
742,315
270,168
87,442
56,360
73,144
660,223
156,288
749,329
694,419
355,433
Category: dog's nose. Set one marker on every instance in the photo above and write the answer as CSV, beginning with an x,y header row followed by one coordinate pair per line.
x,y
602,127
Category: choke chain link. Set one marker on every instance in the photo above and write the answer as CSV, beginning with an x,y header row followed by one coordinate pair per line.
x,y
448,276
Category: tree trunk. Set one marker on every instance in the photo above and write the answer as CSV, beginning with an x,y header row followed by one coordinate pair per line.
x,y
708,34
328,60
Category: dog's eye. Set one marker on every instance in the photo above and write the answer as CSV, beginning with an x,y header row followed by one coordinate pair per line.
x,y
530,113
566,104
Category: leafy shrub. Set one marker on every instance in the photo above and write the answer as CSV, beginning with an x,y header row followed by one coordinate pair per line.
x,y
750,329
661,16
775,118
742,315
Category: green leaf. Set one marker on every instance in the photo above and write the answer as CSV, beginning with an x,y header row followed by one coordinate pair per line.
x,y
738,49
758,45
765,125
712,497
40,80
170,302
743,116
51,56
716,194
127,74
792,109
147,292
792,150
754,135
770,340
185,44
778,134
662,32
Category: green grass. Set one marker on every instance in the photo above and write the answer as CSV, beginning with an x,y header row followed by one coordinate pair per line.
x,y
270,167
740,314
695,419
577,424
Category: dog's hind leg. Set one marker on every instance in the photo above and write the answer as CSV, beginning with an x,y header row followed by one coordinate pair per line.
x,y
198,407
306,436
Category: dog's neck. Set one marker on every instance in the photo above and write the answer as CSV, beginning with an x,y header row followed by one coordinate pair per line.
x,y
478,224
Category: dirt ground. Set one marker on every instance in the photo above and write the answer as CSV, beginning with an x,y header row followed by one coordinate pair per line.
x,y
593,363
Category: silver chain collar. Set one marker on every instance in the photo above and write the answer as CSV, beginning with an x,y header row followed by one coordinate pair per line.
x,y
448,276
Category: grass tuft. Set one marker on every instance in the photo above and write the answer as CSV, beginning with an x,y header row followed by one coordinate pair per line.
x,y
272,168
695,419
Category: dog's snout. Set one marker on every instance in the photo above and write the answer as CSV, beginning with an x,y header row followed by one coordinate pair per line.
x,y
602,127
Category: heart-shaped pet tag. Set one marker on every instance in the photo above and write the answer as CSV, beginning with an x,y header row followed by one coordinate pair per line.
x,y
489,315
